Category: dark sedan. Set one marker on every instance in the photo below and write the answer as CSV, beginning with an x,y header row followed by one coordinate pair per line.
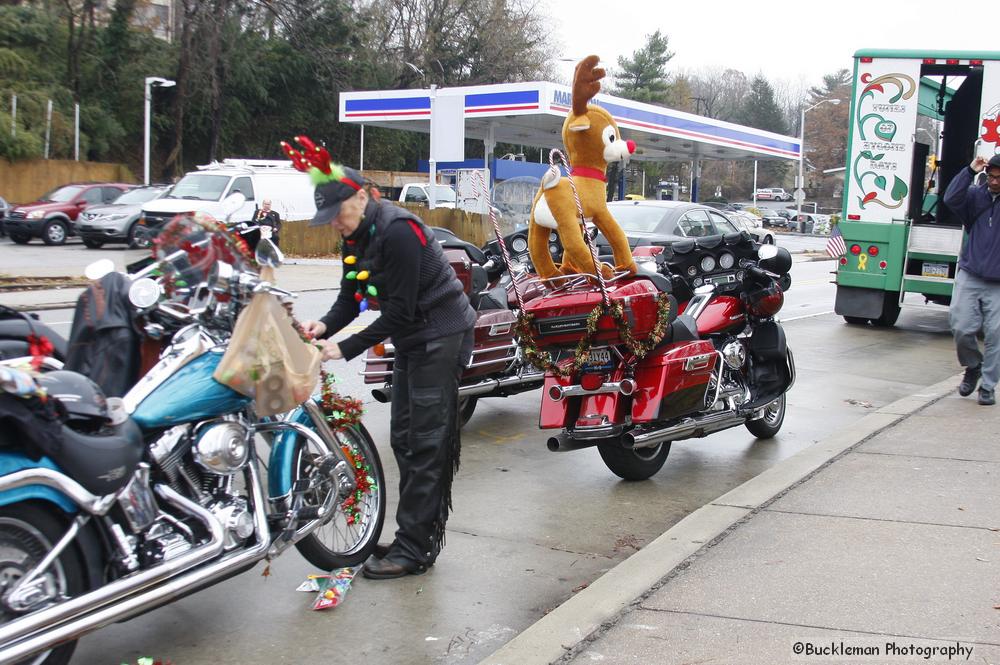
x,y
646,222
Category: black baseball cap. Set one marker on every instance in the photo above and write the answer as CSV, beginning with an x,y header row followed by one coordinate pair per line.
x,y
330,195
994,163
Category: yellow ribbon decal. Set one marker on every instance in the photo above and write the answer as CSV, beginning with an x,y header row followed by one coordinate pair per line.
x,y
863,262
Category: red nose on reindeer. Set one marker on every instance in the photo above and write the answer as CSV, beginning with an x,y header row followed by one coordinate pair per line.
x,y
631,146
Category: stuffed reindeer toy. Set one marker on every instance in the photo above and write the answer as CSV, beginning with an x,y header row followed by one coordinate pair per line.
x,y
592,141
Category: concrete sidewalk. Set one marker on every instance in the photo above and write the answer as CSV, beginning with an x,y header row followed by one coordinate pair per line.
x,y
880,544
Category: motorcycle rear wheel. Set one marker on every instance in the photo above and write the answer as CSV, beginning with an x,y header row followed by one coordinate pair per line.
x,y
774,416
466,407
353,529
634,463
27,533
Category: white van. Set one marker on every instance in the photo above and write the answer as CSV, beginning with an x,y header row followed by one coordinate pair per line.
x,y
290,191
773,194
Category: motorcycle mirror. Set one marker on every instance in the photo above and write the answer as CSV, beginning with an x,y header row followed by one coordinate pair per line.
x,y
99,269
268,254
231,204
144,293
767,252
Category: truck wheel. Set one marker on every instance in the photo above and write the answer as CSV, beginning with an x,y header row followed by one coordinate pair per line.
x,y
856,320
768,425
27,534
890,311
92,244
20,238
54,233
634,463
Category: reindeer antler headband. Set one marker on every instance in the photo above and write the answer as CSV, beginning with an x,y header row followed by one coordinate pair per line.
x,y
315,160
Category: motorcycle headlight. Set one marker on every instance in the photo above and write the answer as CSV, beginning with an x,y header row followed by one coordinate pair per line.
x,y
36,214
222,448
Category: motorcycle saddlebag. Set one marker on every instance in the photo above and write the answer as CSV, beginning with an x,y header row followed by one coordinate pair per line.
x,y
673,381
560,319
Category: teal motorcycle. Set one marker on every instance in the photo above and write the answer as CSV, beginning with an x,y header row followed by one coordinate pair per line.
x,y
126,506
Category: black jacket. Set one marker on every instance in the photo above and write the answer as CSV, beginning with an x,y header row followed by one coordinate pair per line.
x,y
418,294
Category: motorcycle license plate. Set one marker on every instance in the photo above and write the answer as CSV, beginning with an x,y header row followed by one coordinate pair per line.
x,y
934,270
599,361
265,232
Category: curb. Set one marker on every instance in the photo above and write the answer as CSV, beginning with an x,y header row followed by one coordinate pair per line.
x,y
603,602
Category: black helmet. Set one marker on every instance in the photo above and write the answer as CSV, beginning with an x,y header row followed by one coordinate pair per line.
x,y
85,403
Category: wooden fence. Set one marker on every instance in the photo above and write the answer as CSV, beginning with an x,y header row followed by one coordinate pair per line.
x,y
298,239
24,182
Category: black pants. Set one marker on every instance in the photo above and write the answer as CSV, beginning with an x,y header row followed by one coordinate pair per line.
x,y
425,440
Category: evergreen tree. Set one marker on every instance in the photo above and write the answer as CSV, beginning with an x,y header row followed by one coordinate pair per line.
x,y
760,110
643,77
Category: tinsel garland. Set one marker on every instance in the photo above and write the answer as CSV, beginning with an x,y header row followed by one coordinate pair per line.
x,y
341,411
543,359
227,245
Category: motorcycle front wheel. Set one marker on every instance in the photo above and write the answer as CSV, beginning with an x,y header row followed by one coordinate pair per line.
x,y
27,534
634,463
352,531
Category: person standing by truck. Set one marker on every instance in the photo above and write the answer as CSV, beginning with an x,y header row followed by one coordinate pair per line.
x,y
423,307
975,302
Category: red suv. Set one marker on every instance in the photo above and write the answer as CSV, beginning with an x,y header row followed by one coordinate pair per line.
x,y
52,216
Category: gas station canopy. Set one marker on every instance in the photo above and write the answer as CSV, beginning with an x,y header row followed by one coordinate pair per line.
x,y
532,114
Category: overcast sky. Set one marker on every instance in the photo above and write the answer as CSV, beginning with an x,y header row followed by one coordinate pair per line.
x,y
795,42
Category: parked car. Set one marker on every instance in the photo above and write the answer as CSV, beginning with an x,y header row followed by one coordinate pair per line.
x,y
753,225
4,209
117,221
773,194
52,216
659,222
776,217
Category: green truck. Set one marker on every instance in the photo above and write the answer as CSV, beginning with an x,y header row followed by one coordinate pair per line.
x,y
917,119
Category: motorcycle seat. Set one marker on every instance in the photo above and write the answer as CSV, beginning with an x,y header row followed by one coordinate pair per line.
x,y
662,283
448,240
104,461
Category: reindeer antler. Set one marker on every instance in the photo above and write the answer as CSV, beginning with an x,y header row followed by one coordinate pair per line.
x,y
586,83
312,155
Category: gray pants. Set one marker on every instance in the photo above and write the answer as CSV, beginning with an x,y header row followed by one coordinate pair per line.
x,y
975,308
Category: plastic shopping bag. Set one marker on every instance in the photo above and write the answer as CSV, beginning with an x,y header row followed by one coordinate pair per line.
x,y
267,360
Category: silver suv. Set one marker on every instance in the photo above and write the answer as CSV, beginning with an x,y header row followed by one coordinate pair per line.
x,y
116,221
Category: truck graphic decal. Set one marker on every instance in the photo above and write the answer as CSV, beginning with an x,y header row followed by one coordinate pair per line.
x,y
883,96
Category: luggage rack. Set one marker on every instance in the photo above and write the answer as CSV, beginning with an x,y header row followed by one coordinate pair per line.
x,y
574,280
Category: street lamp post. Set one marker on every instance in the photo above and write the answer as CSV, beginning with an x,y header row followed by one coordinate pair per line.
x,y
151,82
802,157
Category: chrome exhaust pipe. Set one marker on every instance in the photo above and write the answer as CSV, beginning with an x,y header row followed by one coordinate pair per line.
x,y
564,444
494,385
111,592
687,428
75,628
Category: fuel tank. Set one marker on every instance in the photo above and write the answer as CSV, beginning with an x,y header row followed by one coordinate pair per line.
x,y
188,395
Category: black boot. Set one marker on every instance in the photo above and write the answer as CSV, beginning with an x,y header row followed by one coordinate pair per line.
x,y
969,381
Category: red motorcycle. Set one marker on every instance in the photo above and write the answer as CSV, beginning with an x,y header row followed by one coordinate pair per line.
x,y
497,367
658,373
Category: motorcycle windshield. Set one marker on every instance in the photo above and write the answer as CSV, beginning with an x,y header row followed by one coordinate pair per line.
x,y
189,246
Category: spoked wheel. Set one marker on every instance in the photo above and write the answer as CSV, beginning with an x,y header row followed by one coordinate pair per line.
x,y
355,524
634,463
768,425
466,407
27,533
